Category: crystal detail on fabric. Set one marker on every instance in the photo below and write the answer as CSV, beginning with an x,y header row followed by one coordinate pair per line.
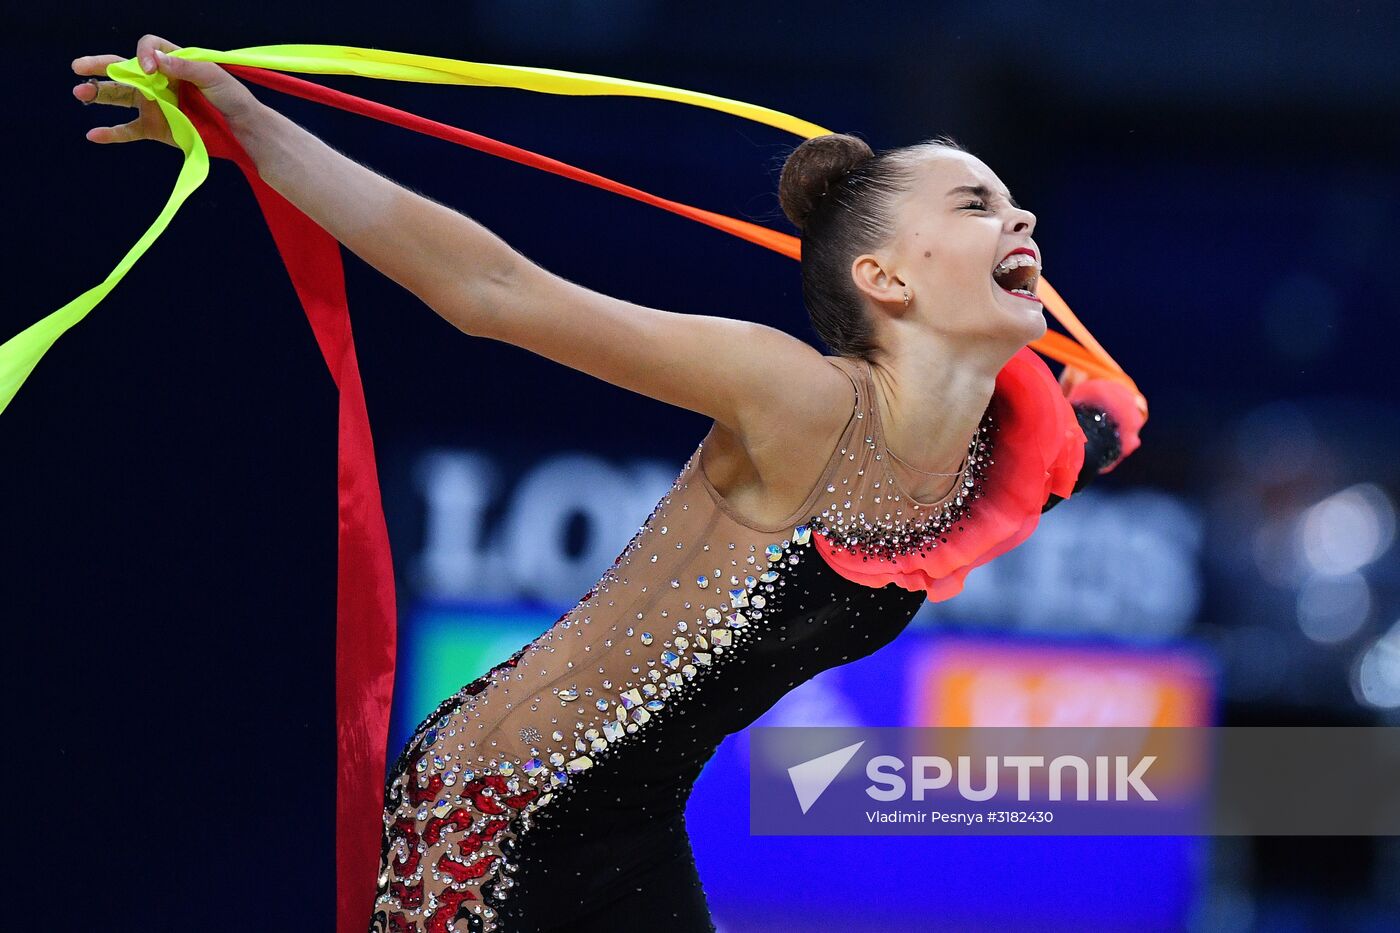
x,y
905,525
446,864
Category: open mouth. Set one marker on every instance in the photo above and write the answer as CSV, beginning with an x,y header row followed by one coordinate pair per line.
x,y
1018,274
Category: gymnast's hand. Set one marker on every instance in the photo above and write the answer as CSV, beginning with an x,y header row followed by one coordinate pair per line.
x,y
222,89
1071,377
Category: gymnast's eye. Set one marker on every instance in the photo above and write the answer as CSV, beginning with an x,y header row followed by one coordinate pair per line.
x,y
975,206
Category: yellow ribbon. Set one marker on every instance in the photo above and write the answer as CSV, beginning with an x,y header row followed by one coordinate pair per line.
x,y
20,354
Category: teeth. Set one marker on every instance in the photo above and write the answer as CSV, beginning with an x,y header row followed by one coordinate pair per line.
x,y
1014,262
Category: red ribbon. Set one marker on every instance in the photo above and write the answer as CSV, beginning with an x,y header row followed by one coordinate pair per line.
x,y
366,618
365,607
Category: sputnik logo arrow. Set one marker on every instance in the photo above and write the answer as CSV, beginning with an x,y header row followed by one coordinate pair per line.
x,y
811,778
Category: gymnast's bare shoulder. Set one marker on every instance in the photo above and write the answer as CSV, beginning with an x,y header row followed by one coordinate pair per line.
x,y
777,403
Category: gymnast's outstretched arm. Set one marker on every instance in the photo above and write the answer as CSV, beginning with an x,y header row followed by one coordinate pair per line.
x,y
725,368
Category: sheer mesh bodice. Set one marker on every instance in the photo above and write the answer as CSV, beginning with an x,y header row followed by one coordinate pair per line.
x,y
550,786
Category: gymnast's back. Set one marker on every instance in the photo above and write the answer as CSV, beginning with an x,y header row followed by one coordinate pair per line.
x,y
550,792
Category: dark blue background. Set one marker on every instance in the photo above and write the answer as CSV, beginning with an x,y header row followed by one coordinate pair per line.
x,y
1218,200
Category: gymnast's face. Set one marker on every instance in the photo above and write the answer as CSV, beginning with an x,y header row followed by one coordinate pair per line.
x,y
949,239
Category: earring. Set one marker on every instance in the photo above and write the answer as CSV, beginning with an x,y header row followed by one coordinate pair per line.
x,y
906,298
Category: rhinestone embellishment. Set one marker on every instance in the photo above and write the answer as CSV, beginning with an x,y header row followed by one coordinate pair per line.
x,y
907,526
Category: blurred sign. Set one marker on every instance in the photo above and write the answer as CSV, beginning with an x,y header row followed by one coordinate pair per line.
x,y
966,682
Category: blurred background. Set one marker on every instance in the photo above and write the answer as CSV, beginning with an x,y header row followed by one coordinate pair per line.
x,y
1217,193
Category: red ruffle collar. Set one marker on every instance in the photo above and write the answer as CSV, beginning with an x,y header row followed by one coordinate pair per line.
x,y
1038,449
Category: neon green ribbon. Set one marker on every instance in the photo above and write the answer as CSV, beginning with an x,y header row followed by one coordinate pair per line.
x,y
428,69
21,353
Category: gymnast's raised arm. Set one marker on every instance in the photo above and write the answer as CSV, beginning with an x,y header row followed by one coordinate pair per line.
x,y
724,368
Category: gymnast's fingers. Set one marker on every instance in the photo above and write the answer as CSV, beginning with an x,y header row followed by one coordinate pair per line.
x,y
93,91
95,64
1071,377
125,133
146,51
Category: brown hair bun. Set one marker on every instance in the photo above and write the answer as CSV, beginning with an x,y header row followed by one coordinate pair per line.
x,y
813,167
